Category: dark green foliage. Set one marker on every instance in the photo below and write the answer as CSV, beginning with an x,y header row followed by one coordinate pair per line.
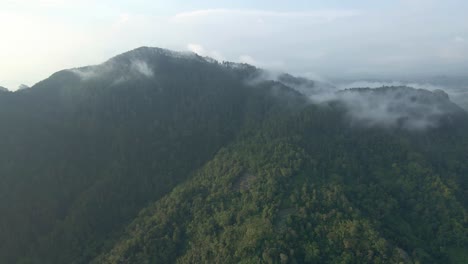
x,y
79,158
317,193
196,165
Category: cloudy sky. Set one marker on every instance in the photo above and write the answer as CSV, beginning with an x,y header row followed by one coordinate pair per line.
x,y
317,39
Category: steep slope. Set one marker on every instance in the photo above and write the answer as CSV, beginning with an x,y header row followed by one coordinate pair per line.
x,y
308,188
84,150
227,166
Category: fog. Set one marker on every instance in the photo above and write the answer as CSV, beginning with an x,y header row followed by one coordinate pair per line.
x,y
409,106
135,68
391,107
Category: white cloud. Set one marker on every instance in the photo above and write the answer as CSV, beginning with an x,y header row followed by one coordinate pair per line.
x,y
135,69
247,59
200,50
196,48
390,108
85,74
142,68
270,65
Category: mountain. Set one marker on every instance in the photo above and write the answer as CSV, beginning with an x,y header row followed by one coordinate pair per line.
x,y
305,86
102,142
414,109
457,86
23,87
3,89
158,156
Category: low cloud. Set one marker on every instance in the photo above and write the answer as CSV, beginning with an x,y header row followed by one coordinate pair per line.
x,y
134,69
200,50
403,107
377,84
196,48
248,59
456,88
142,68
85,73
409,106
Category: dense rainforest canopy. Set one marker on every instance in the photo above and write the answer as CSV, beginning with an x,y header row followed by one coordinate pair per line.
x,y
163,157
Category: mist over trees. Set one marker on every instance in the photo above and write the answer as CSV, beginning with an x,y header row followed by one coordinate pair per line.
x,y
165,157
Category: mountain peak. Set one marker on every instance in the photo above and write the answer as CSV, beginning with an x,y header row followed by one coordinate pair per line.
x,y
145,52
23,87
173,134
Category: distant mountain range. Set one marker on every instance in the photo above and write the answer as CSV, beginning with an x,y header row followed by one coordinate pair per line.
x,y
158,156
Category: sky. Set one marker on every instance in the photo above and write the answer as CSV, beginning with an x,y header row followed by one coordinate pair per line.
x,y
349,39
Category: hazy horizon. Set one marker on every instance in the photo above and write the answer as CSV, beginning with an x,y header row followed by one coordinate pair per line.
x,y
404,40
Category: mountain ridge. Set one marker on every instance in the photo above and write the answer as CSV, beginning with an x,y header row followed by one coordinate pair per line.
x,y
303,85
176,159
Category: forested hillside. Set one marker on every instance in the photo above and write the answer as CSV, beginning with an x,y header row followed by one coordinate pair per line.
x,y
306,188
163,157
